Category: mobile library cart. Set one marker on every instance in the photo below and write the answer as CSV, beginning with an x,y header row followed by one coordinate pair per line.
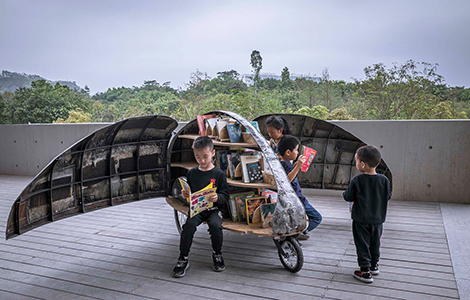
x,y
141,157
288,218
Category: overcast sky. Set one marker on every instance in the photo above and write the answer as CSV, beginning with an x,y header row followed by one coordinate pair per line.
x,y
106,44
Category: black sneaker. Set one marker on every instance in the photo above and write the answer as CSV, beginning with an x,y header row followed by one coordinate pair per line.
x,y
374,270
181,266
363,276
303,236
219,264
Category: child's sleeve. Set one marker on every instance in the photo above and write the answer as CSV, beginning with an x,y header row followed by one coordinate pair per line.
x,y
389,190
222,189
350,194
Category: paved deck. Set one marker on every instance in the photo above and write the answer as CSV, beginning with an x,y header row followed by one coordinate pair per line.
x,y
128,252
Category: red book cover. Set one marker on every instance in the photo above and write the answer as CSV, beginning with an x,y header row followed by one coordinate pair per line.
x,y
200,122
309,153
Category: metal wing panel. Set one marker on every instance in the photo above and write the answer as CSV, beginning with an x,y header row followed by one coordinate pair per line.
x,y
333,166
125,161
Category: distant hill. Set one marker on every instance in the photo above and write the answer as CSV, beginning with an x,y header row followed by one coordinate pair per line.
x,y
10,81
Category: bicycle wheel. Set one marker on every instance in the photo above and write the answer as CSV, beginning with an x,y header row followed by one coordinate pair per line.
x,y
291,256
180,219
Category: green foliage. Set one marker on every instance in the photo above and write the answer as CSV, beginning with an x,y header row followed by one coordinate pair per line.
x,y
11,81
43,103
227,82
256,64
318,111
76,116
409,91
339,114
402,92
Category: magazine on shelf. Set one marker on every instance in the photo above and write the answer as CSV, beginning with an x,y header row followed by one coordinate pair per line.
x,y
254,172
201,124
235,133
245,159
198,200
310,154
221,161
251,205
267,213
255,125
239,201
211,130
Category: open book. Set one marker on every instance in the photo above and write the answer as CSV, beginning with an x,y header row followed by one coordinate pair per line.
x,y
310,154
198,200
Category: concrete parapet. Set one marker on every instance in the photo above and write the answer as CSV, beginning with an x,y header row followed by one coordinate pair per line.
x,y
429,159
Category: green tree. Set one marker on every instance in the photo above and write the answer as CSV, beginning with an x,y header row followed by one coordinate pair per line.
x,y
326,89
44,103
401,92
318,111
286,82
227,82
339,114
76,116
257,65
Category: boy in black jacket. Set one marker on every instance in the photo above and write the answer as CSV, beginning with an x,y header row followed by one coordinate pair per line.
x,y
198,178
370,193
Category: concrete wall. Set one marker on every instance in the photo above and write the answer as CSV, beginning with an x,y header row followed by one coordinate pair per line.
x,y
430,160
27,149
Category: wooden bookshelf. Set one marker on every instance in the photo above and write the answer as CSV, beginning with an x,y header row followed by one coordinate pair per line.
x,y
240,183
184,165
239,227
219,143
231,182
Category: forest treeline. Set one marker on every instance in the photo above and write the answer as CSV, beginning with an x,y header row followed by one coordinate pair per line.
x,y
404,91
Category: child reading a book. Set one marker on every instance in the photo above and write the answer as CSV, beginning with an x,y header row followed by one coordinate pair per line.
x,y
276,126
198,178
370,193
288,149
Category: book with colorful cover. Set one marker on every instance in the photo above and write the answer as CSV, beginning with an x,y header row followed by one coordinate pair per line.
x,y
255,125
267,213
198,200
251,205
245,159
309,153
239,199
235,133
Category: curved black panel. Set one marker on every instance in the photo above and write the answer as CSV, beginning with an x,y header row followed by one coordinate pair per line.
x,y
333,166
123,162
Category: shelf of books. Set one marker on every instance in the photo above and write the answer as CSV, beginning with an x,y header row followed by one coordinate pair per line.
x,y
228,224
219,143
231,182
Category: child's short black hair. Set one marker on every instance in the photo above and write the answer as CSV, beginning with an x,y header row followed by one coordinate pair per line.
x,y
370,155
278,122
287,142
203,142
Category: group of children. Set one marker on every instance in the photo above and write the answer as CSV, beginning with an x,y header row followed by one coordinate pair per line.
x,y
368,191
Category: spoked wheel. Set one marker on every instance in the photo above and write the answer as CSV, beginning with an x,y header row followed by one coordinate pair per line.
x,y
290,254
180,219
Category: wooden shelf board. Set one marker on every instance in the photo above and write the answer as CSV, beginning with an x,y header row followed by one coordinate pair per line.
x,y
226,224
240,183
218,143
184,165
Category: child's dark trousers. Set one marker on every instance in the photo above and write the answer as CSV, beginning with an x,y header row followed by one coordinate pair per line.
x,y
214,221
367,240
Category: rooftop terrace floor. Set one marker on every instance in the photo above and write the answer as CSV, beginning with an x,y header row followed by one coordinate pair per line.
x,y
128,252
